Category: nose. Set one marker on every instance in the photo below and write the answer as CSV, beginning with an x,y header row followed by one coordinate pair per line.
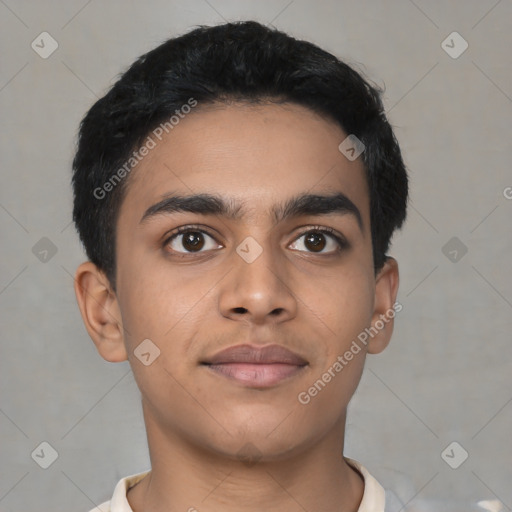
x,y
258,291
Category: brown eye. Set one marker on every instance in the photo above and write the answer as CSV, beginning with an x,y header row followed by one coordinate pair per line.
x,y
318,239
193,241
315,241
188,240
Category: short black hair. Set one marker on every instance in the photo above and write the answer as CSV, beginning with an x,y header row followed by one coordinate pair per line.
x,y
244,61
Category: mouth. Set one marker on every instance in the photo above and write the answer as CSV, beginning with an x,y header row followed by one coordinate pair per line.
x,y
256,367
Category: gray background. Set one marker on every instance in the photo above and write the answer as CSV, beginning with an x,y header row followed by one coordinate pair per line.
x,y
446,375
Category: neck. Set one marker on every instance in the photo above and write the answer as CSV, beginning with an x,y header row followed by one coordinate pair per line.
x,y
185,477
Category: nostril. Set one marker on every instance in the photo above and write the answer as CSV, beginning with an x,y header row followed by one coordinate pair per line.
x,y
240,310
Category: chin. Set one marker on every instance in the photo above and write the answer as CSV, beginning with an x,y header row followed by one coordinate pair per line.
x,y
262,440
251,449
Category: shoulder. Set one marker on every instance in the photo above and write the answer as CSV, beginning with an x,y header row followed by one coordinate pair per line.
x,y
119,502
374,496
104,507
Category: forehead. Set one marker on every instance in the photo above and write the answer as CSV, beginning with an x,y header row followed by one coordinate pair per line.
x,y
254,155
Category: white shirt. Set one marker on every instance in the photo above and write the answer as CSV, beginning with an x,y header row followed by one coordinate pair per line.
x,y
373,497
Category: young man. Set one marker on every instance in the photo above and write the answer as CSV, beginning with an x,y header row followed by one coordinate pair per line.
x,y
236,192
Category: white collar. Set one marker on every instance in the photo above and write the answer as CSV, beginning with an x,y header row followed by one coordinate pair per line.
x,y
373,495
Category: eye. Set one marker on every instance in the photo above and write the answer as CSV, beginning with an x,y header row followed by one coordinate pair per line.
x,y
191,239
318,239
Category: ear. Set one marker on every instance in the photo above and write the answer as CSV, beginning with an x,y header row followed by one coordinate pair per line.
x,y
386,289
100,312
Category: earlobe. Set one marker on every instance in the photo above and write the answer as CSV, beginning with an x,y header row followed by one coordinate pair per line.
x,y
100,312
386,289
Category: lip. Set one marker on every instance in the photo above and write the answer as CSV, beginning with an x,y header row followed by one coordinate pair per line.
x,y
257,367
269,354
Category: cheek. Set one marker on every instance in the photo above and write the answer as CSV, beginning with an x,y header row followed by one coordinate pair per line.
x,y
163,304
159,310
150,296
345,309
344,304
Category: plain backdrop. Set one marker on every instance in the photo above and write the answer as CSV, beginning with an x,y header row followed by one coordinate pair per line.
x,y
446,376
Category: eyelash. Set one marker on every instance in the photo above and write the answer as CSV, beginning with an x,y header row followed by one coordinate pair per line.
x,y
340,240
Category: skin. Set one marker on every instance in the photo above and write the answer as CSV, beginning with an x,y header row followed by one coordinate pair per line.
x,y
315,304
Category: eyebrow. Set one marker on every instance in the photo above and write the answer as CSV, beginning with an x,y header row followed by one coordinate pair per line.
x,y
211,204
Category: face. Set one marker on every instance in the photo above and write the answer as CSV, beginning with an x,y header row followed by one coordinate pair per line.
x,y
196,278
